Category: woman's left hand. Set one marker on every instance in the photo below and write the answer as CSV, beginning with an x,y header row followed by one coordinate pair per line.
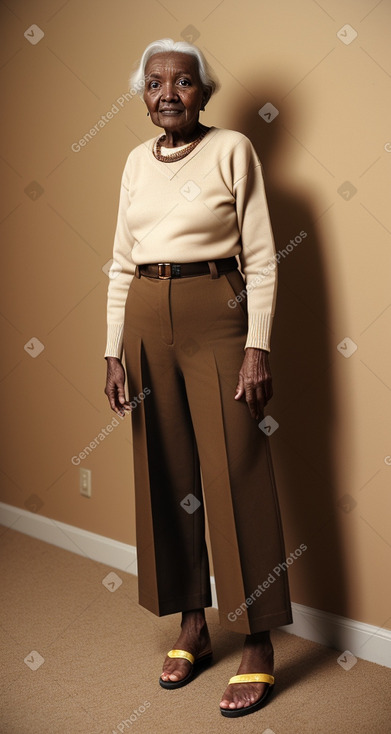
x,y
255,381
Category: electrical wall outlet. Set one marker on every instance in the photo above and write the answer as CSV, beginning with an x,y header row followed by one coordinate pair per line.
x,y
85,482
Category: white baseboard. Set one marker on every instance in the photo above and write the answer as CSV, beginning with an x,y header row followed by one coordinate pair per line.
x,y
365,641
91,545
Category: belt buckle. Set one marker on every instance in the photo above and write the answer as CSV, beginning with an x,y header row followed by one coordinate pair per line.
x,y
161,271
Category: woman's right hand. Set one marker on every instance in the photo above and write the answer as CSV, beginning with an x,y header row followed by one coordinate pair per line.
x,y
115,386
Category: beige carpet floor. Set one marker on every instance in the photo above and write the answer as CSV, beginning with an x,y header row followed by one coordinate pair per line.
x,y
80,656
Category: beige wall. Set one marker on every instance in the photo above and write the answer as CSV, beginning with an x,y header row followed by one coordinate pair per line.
x,y
331,448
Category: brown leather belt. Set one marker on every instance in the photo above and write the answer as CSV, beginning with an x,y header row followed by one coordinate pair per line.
x,y
164,271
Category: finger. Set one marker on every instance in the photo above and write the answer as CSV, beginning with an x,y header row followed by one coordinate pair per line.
x,y
122,408
239,388
267,390
112,394
121,393
251,401
115,406
121,403
260,401
112,402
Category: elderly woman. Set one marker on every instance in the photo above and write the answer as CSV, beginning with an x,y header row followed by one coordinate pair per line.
x,y
195,336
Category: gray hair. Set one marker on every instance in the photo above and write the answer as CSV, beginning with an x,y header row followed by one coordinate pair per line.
x,y
164,45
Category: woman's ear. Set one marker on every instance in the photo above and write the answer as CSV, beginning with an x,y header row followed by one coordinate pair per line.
x,y
205,98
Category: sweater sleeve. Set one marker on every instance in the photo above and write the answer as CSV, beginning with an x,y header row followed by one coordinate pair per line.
x,y
120,274
257,256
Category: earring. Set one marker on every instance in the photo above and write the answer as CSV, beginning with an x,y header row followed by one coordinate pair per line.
x,y
147,114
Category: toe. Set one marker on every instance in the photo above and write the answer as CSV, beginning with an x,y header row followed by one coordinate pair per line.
x,y
226,698
240,697
224,703
177,674
237,702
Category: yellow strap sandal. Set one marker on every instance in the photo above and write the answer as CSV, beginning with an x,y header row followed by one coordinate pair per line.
x,y
250,678
196,665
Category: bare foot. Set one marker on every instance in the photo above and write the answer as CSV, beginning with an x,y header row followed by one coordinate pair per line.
x,y
194,638
257,658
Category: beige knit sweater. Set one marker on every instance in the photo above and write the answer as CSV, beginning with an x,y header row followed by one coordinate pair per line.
x,y
211,204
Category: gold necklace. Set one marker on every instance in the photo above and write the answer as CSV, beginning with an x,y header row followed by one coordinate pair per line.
x,y
176,156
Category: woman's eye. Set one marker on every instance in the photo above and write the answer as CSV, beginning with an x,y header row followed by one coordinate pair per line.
x,y
154,85
184,82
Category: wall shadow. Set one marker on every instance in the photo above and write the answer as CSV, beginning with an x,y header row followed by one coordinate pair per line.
x,y
303,351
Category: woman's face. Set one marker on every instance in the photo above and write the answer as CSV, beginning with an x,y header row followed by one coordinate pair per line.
x,y
173,91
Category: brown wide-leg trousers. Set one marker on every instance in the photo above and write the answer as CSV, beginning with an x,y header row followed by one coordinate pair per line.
x,y
184,347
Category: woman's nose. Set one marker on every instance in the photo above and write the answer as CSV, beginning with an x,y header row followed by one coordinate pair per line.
x,y
169,91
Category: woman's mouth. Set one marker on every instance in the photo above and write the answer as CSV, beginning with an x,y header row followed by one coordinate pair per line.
x,y
167,111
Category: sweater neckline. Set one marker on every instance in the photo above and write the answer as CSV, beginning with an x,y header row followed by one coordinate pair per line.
x,y
182,161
